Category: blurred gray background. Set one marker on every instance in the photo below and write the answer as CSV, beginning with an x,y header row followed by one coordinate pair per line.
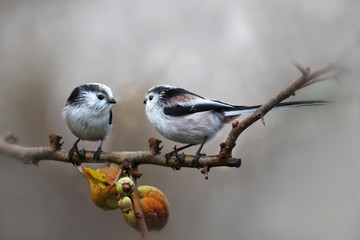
x,y
300,172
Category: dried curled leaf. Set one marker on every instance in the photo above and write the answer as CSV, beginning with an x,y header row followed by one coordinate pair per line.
x,y
100,181
95,177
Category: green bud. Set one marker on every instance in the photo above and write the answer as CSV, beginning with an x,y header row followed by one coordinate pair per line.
x,y
125,186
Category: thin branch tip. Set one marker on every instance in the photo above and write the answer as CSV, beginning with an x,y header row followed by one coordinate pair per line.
x,y
308,77
304,71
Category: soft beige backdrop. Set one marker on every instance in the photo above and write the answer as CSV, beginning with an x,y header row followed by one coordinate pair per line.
x,y
301,172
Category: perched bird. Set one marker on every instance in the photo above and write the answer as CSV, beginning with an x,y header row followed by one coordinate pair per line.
x,y
88,114
188,118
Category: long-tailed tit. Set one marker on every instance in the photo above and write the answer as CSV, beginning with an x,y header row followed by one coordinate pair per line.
x,y
186,117
88,114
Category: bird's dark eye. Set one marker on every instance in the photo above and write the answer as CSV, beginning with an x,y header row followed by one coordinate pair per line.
x,y
100,96
151,97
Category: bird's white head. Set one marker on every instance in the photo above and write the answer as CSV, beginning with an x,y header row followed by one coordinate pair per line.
x,y
92,96
156,96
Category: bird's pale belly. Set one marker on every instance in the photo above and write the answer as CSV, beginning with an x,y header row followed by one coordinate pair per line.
x,y
93,131
192,129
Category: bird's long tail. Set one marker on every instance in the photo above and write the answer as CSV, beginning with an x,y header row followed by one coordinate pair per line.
x,y
249,109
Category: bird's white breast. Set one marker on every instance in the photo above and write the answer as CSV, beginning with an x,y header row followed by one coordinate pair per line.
x,y
86,125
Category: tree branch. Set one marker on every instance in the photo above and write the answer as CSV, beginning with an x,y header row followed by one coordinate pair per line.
x,y
137,208
305,80
33,155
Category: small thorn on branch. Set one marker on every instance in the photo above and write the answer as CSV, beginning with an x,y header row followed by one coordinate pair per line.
x,y
55,144
206,171
304,71
222,153
176,155
10,138
262,119
154,146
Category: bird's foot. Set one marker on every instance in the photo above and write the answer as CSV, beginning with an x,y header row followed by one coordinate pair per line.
x,y
82,153
71,153
168,156
175,156
97,154
195,161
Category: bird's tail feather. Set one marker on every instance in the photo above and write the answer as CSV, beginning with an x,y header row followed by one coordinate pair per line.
x,y
249,109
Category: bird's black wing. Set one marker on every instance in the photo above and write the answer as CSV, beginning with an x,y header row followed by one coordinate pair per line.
x,y
192,107
110,118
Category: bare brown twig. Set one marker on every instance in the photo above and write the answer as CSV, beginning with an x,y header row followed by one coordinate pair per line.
x,y
306,79
135,199
139,214
33,155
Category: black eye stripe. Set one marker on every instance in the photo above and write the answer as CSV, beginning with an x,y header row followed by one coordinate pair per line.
x,y
76,96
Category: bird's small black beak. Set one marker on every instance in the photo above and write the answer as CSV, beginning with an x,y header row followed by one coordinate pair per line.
x,y
112,101
145,101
